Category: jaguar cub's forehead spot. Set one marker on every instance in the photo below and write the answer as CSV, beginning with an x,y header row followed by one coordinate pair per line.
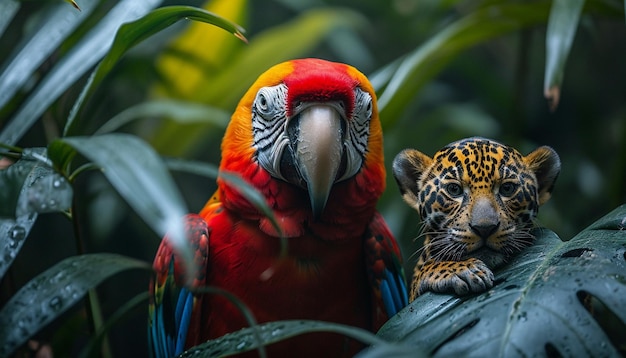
x,y
476,160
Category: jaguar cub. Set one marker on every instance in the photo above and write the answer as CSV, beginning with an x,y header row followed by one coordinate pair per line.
x,y
477,200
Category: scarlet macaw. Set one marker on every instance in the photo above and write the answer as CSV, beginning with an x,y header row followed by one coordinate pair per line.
x,y
308,137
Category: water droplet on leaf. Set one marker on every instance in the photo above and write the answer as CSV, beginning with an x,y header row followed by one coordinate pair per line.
x,y
18,233
56,303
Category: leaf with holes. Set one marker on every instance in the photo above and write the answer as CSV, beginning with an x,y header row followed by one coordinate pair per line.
x,y
555,299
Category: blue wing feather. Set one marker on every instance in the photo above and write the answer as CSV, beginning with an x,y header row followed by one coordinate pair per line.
x,y
172,304
384,267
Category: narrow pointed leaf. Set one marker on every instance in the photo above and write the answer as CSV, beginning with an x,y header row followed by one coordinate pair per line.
x,y
186,67
58,22
133,33
545,300
48,295
426,61
72,66
562,25
303,34
138,174
179,111
246,339
245,189
8,9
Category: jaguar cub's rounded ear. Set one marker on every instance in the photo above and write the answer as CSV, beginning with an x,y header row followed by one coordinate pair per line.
x,y
408,167
546,165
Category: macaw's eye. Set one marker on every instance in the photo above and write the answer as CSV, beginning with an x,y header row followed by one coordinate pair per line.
x,y
262,102
508,189
454,189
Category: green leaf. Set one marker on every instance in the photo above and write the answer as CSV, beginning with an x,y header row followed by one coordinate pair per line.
x,y
56,24
562,25
247,339
399,89
133,33
51,293
544,302
138,174
71,67
248,191
296,38
179,111
184,67
8,9
29,187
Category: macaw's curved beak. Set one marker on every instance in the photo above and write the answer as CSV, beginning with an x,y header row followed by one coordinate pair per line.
x,y
318,151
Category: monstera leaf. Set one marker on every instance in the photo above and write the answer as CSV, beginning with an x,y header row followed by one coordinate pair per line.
x,y
555,299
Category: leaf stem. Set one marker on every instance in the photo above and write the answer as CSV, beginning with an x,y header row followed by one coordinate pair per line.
x,y
92,304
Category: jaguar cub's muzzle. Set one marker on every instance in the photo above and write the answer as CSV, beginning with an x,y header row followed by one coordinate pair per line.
x,y
484,219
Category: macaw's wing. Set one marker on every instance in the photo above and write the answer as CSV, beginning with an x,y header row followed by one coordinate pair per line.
x,y
385,272
171,304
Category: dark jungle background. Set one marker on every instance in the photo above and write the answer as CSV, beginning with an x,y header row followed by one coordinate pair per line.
x,y
488,81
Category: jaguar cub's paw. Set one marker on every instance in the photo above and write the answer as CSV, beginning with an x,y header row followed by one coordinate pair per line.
x,y
460,277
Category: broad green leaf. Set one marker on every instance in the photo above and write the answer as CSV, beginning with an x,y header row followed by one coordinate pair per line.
x,y
247,339
426,61
294,39
181,112
199,52
72,66
543,304
29,187
51,293
562,25
135,32
58,21
138,174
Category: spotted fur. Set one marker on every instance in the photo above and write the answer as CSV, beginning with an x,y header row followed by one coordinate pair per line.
x,y
477,200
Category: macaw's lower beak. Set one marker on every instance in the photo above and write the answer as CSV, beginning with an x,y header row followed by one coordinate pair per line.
x,y
318,151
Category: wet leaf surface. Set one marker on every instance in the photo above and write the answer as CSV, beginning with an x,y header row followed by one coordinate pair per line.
x,y
555,297
51,293
29,187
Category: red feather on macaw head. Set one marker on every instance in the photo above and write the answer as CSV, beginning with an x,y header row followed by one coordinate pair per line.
x,y
307,136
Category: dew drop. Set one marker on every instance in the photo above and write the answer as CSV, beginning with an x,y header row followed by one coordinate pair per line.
x,y
241,345
56,183
18,233
56,303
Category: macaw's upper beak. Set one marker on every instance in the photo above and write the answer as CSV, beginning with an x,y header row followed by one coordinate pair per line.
x,y
318,150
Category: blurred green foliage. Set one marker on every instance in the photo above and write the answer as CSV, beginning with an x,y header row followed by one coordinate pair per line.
x,y
442,69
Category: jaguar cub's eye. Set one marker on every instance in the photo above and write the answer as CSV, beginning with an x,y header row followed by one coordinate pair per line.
x,y
454,189
508,188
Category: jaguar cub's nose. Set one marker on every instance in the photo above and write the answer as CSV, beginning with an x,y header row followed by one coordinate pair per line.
x,y
484,221
484,230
